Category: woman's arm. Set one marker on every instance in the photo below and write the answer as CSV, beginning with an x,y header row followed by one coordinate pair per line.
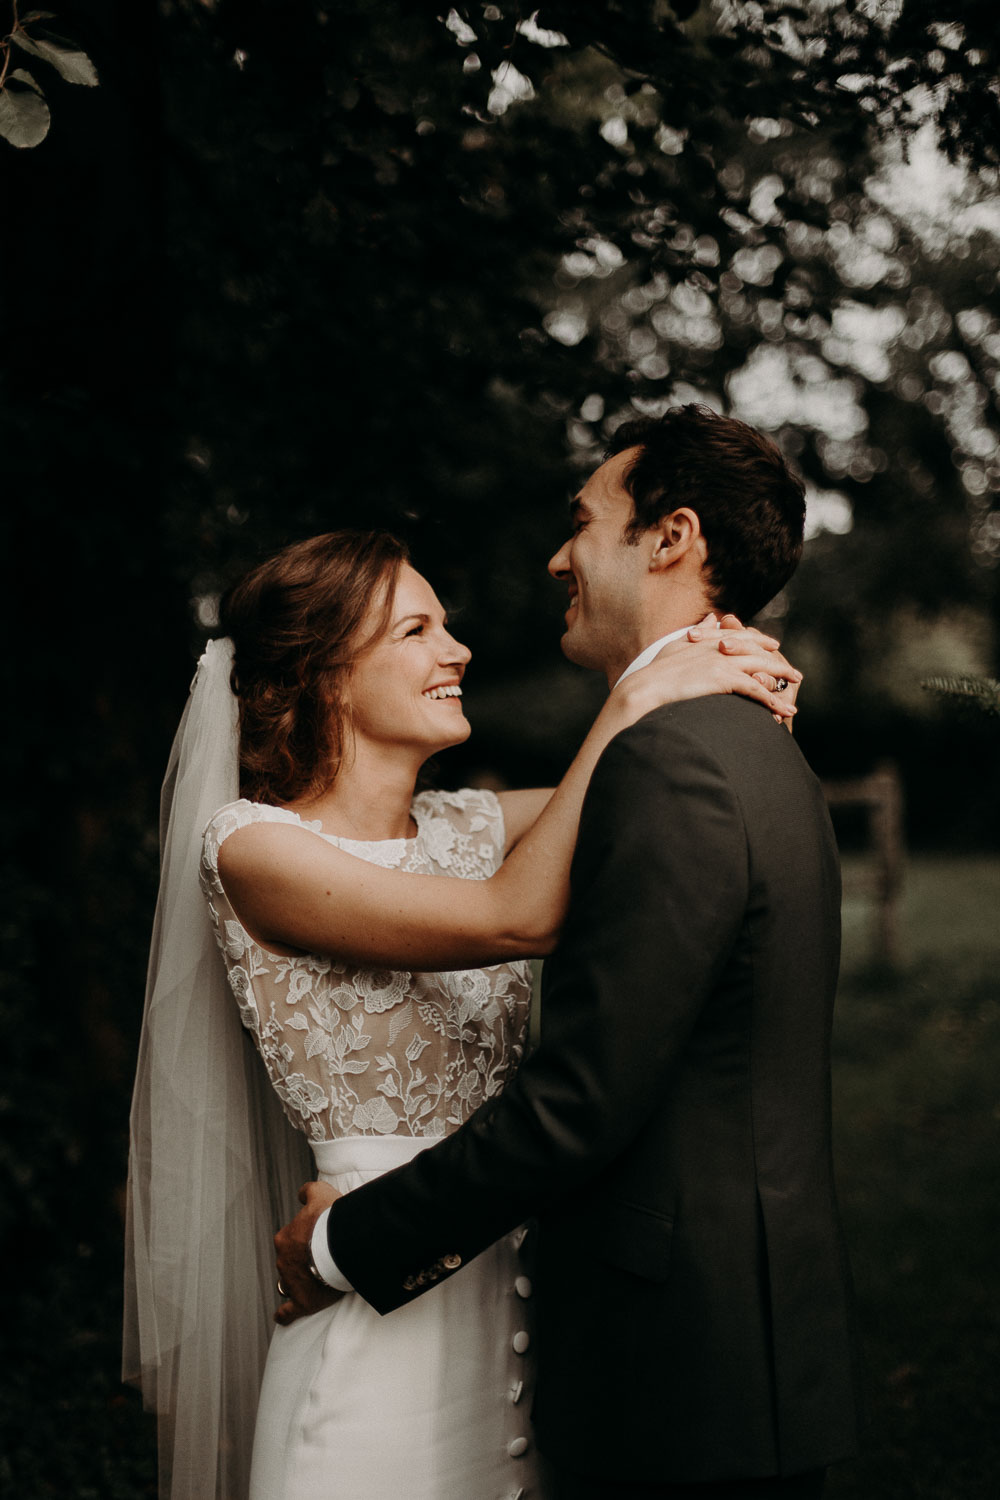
x,y
521,809
290,888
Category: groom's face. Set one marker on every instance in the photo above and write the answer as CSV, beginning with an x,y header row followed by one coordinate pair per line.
x,y
603,572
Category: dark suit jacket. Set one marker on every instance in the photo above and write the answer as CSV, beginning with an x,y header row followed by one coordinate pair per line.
x,y
671,1133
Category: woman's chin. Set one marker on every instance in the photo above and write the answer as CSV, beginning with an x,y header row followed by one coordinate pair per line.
x,y
458,734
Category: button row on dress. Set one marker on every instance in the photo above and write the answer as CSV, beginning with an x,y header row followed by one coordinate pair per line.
x,y
521,1342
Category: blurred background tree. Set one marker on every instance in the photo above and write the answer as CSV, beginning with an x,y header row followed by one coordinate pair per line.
x,y
294,266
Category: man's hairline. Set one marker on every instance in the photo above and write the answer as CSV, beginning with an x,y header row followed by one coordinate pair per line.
x,y
632,530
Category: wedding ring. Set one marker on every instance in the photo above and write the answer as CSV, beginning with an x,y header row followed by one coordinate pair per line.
x,y
780,683
282,1288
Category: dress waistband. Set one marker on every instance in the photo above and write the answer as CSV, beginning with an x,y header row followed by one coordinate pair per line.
x,y
367,1153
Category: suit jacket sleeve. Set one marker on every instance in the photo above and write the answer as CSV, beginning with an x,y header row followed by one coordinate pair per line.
x,y
659,889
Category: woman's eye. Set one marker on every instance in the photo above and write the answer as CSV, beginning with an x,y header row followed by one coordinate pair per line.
x,y
415,630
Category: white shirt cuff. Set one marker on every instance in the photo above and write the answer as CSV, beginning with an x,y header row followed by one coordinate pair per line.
x,y
323,1260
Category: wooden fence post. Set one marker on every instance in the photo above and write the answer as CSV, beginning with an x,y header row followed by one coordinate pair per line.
x,y
881,792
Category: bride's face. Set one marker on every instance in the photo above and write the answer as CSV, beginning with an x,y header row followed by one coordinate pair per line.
x,y
404,690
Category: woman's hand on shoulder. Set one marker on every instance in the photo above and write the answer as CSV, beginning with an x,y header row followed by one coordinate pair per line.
x,y
779,676
714,657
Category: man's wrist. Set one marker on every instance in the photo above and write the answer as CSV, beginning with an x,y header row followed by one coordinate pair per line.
x,y
322,1265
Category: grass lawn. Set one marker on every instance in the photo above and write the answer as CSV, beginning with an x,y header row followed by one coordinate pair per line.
x,y
917,1098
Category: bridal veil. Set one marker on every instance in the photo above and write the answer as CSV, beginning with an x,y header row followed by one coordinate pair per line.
x,y
214,1166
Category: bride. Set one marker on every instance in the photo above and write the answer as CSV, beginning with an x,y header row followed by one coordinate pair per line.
x,y
374,942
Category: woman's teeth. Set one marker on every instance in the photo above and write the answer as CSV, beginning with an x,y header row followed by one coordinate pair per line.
x,y
452,691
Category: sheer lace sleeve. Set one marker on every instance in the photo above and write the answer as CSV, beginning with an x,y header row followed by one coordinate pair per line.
x,y
226,821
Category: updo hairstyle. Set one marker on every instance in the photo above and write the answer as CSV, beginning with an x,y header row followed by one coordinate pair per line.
x,y
298,622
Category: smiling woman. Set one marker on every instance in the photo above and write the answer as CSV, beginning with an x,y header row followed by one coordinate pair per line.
x,y
406,688
353,919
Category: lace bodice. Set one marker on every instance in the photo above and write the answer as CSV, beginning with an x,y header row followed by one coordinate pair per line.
x,y
366,1051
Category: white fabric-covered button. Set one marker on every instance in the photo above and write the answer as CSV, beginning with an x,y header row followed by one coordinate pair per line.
x,y
522,1286
521,1341
516,1392
517,1446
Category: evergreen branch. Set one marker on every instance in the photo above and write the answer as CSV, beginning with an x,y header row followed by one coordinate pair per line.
x,y
983,691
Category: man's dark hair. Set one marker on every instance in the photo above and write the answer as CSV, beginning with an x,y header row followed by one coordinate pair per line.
x,y
750,504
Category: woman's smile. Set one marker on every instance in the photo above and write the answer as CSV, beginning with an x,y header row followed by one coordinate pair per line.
x,y
416,654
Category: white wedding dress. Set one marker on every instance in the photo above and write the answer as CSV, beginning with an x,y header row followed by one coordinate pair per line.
x,y
431,1402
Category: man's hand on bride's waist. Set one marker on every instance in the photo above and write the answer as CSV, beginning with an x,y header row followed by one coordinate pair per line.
x,y
299,1283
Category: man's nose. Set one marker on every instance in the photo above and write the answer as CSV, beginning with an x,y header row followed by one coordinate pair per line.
x,y
559,562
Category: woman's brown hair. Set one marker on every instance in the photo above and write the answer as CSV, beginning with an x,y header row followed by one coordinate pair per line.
x,y
298,623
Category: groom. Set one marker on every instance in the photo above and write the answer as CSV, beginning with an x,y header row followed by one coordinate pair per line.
x,y
671,1133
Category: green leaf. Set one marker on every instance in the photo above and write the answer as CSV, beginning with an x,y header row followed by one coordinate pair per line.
x,y
72,64
24,114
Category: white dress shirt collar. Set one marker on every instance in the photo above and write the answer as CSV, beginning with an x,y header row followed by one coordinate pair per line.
x,y
645,657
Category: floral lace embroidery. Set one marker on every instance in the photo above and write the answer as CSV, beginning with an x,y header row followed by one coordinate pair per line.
x,y
354,1051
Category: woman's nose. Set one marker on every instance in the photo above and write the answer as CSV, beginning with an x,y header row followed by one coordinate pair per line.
x,y
454,651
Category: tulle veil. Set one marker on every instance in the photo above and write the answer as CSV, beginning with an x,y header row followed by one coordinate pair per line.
x,y
214,1166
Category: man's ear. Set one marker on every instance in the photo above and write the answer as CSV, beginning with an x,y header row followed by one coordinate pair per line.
x,y
677,536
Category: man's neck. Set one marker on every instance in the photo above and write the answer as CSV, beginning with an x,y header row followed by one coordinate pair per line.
x,y
648,652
